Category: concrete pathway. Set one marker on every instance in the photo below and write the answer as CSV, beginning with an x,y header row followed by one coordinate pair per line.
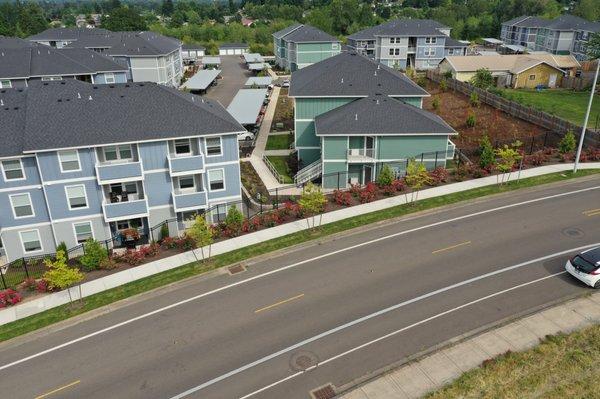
x,y
418,378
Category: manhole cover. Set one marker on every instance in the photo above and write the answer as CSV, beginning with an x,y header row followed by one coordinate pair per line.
x,y
236,269
325,392
573,232
301,361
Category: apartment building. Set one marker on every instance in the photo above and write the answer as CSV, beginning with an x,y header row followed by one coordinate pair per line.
x,y
81,160
148,56
299,46
403,43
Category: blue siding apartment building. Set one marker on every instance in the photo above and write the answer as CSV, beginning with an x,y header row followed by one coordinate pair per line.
x,y
81,160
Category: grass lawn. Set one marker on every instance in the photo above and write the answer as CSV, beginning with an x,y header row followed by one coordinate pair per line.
x,y
567,104
562,366
280,162
57,314
279,142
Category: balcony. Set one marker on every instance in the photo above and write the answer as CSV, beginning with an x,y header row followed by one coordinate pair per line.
x,y
185,201
450,150
361,155
186,165
125,210
108,173
411,49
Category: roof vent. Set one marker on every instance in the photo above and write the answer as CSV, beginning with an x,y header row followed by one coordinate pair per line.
x,y
63,83
90,98
355,117
342,81
59,101
78,95
1,102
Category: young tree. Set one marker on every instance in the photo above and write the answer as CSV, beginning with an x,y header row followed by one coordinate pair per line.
x,y
93,254
234,220
483,79
60,275
508,158
202,235
593,46
416,178
313,202
487,157
567,143
386,176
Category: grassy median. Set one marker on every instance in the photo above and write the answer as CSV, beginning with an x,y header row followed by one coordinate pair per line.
x,y
57,314
562,366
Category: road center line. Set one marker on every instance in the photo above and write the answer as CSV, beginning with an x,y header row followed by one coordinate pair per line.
x,y
591,211
291,266
594,213
391,334
45,395
371,316
451,247
279,303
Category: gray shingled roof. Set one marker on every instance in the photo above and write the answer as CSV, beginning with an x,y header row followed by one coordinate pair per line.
x,y
352,75
54,34
563,22
401,27
42,60
67,114
129,44
515,20
309,34
379,115
454,43
14,42
281,33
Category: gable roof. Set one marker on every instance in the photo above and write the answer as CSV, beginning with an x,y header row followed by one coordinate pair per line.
x,y
351,75
564,22
281,33
308,34
14,42
128,44
401,27
514,63
74,114
380,115
58,34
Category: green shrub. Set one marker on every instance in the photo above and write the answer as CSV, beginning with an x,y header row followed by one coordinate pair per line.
x,y
94,254
567,143
474,99
435,103
443,85
234,220
422,81
448,75
471,120
487,157
60,276
63,247
164,231
386,176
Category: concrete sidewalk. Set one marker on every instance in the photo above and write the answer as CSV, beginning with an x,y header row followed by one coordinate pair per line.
x,y
416,379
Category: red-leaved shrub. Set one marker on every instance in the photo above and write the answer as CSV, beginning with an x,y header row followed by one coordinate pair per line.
x,y
438,175
368,193
9,297
342,197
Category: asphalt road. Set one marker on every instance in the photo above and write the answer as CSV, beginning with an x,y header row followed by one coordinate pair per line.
x,y
330,303
234,75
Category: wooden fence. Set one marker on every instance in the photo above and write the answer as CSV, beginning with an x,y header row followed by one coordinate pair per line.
x,y
529,114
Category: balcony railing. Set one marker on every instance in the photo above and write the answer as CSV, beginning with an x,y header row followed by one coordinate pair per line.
x,y
185,201
361,155
185,165
125,210
108,173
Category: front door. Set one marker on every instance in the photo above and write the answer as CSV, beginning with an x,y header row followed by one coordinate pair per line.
x,y
368,174
369,146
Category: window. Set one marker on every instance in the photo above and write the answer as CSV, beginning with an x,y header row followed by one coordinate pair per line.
x,y
216,179
69,161
183,147
51,78
397,51
429,51
13,170
531,77
334,46
31,240
118,152
213,146
21,205
109,78
76,196
391,51
5,84
186,182
130,224
83,231
431,40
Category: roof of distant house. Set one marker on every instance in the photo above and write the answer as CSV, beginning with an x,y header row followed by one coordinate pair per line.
x,y
233,45
514,63
285,31
57,34
380,115
74,114
401,27
40,60
352,75
309,34
563,22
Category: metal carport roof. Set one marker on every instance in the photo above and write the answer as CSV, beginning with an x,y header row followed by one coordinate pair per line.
x,y
245,106
259,81
202,79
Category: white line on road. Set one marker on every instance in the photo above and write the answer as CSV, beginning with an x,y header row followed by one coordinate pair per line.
x,y
284,268
371,316
418,323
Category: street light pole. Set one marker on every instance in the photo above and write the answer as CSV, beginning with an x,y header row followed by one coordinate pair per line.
x,y
587,117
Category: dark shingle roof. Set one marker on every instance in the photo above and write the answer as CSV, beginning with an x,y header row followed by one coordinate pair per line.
x,y
309,34
54,34
454,43
71,113
563,22
233,45
350,74
281,33
401,27
516,20
14,42
129,44
379,115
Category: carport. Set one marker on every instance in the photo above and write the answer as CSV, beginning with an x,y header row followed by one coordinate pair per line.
x,y
211,61
201,80
253,58
246,106
259,81
233,48
258,66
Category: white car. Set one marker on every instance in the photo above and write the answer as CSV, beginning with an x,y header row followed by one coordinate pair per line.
x,y
286,83
245,136
586,267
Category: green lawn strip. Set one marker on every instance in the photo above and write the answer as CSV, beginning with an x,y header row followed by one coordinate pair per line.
x,y
566,104
561,366
279,142
63,312
281,165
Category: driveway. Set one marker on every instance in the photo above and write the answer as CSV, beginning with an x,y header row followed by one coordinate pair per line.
x,y
234,74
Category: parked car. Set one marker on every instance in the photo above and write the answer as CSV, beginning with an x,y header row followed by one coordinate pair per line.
x,y
586,267
245,136
286,83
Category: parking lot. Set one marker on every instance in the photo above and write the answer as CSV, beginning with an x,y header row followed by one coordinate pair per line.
x,y
234,74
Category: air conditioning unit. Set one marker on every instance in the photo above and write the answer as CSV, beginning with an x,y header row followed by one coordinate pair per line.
x,y
354,152
354,180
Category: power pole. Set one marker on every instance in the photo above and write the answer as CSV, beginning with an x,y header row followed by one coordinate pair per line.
x,y
587,117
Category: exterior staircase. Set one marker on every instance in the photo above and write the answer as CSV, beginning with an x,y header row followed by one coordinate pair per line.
x,y
309,172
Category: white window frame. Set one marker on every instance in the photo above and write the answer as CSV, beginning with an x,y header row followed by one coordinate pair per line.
x,y
209,181
391,52
431,40
220,154
51,78
112,78
60,161
429,52
532,77
3,86
22,170
39,238
118,151
12,205
89,223
189,141
87,203
187,189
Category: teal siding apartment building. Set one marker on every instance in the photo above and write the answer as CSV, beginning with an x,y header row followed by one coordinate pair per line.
x,y
299,46
353,115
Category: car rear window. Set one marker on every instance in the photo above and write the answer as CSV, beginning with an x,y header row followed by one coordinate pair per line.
x,y
583,264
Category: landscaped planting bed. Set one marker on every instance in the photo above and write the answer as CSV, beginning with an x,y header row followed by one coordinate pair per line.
x,y
252,181
280,162
283,118
279,142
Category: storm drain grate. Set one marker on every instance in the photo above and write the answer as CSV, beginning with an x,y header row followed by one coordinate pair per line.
x,y
325,392
236,269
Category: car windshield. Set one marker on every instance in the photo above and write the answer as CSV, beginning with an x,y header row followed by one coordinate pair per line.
x,y
583,264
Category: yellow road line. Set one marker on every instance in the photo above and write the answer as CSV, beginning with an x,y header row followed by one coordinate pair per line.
x,y
58,389
594,213
591,212
451,247
279,303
